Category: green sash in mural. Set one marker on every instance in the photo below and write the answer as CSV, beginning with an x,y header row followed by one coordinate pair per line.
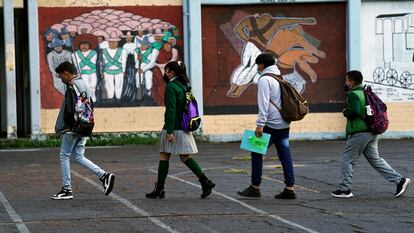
x,y
86,61
113,62
144,56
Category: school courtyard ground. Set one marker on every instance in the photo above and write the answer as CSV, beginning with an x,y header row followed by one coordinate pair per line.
x,y
29,177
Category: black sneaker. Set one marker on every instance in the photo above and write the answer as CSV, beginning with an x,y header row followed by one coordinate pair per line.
x,y
402,187
108,180
343,194
250,192
63,194
286,194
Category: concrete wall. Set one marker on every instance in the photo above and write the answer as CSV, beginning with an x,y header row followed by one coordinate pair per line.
x,y
226,118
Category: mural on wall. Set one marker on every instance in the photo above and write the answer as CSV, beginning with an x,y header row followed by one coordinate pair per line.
x,y
282,36
120,55
308,41
394,41
387,44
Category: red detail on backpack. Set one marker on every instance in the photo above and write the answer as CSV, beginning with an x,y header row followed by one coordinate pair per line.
x,y
376,117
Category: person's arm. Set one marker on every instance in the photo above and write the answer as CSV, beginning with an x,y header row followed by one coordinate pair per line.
x,y
124,60
352,109
152,58
263,98
50,64
69,112
170,105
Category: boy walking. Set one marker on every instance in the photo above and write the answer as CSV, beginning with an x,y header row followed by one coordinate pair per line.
x,y
270,121
361,141
73,144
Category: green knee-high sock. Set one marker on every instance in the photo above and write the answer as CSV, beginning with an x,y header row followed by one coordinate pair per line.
x,y
195,168
163,171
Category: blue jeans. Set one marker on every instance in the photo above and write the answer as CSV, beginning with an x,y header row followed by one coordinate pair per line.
x,y
364,143
279,137
73,145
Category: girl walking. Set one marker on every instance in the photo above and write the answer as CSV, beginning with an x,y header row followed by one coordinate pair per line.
x,y
173,139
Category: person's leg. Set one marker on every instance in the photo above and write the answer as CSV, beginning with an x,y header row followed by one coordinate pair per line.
x,y
93,83
206,184
378,163
163,167
119,82
285,157
65,153
66,149
109,86
79,155
355,145
148,82
106,178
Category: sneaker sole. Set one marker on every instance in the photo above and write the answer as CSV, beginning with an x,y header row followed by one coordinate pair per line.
x,y
405,188
248,196
343,196
111,184
62,198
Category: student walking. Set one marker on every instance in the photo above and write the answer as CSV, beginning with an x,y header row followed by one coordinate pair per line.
x,y
270,121
361,141
173,139
73,144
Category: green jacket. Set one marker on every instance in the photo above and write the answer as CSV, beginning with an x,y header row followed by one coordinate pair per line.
x,y
355,111
174,104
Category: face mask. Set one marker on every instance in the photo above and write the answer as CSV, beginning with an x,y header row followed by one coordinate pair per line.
x,y
346,88
166,79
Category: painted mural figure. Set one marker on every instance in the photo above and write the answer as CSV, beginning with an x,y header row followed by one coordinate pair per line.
x,y
281,36
129,89
85,60
114,65
167,54
145,58
54,58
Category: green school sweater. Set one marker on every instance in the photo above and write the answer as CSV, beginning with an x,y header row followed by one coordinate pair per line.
x,y
174,104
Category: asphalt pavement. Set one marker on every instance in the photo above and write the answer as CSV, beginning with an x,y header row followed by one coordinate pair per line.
x,y
28,178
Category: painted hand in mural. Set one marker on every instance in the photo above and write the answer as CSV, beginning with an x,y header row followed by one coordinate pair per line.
x,y
281,36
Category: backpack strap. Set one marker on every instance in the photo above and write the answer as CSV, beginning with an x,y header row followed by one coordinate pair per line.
x,y
279,79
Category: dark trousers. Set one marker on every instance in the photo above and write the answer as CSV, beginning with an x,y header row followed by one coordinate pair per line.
x,y
279,137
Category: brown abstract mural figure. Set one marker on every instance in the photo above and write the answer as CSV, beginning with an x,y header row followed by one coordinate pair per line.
x,y
282,36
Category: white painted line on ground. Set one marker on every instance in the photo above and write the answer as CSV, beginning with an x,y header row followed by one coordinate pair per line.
x,y
204,169
18,150
127,203
13,215
296,186
254,209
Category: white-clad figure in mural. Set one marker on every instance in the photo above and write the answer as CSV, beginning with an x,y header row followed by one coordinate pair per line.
x,y
145,58
129,45
139,37
54,58
114,65
85,58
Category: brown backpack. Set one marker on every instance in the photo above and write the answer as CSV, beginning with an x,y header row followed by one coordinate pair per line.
x,y
294,106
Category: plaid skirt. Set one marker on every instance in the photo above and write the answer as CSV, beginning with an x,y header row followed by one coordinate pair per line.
x,y
184,143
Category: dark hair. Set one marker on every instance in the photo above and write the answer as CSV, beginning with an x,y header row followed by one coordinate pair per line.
x,y
179,70
267,59
355,76
66,66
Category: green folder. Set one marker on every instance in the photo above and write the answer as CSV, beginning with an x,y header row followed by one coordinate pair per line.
x,y
254,144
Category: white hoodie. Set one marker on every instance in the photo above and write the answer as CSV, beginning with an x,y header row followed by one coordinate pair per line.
x,y
268,88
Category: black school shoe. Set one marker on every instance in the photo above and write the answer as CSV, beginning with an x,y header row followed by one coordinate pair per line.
x,y
107,180
63,194
286,194
250,192
402,187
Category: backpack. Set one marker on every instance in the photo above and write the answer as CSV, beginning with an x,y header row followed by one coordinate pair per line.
x,y
376,116
294,107
190,118
84,118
